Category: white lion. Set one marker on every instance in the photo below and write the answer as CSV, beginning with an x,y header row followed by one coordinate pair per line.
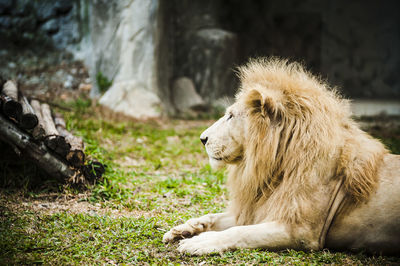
x,y
302,175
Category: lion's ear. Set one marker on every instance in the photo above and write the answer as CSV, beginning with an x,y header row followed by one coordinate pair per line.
x,y
263,105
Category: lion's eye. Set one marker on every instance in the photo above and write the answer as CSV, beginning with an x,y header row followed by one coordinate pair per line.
x,y
230,116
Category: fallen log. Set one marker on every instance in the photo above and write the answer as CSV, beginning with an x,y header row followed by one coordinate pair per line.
x,y
39,154
28,118
47,142
38,132
10,89
11,107
76,156
48,124
53,140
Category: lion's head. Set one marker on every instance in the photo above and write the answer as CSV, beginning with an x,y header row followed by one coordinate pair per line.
x,y
288,126
274,98
225,138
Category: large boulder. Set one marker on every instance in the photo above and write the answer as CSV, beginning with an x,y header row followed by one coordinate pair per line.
x,y
185,97
133,99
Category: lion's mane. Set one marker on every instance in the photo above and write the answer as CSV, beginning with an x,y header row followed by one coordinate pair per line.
x,y
300,134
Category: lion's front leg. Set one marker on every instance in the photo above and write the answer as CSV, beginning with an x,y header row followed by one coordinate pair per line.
x,y
195,226
273,236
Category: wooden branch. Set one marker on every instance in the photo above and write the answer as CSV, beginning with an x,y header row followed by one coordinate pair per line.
x,y
38,132
28,119
11,107
76,142
10,89
53,140
48,124
58,144
38,153
75,156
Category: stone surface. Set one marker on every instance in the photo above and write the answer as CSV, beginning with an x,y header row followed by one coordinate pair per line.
x,y
63,6
185,97
42,25
45,11
5,6
51,26
358,49
133,99
212,55
354,45
68,33
124,46
204,51
5,22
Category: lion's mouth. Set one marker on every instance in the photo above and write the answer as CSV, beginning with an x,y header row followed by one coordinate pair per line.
x,y
228,158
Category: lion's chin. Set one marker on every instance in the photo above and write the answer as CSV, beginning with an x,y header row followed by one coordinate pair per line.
x,y
216,164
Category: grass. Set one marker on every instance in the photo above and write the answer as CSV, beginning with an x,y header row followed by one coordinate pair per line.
x,y
157,177
102,82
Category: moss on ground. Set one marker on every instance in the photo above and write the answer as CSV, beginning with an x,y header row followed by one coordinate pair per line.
x,y
157,177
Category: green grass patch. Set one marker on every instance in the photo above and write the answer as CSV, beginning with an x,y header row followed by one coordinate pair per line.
x,y
103,82
157,177
64,238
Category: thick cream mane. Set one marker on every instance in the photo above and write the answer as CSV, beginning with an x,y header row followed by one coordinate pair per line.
x,y
300,135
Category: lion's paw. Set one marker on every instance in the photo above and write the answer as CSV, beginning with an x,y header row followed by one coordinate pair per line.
x,y
205,243
190,228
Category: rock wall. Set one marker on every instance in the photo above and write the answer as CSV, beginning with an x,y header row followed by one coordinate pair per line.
x,y
153,50
360,50
353,44
124,41
204,51
45,23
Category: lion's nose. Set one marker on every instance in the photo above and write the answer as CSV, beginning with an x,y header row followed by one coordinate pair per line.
x,y
204,140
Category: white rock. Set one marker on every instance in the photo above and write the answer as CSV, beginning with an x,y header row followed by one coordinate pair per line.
x,y
124,37
68,81
12,65
185,96
123,41
133,99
